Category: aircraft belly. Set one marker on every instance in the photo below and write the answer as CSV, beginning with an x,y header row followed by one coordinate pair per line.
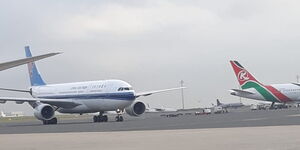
x,y
97,105
107,104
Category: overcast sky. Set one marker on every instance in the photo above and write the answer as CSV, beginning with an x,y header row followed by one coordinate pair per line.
x,y
152,44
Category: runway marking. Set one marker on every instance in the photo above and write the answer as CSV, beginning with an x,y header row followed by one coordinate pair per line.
x,y
255,119
296,115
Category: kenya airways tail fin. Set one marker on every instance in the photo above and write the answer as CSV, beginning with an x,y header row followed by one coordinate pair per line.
x,y
245,78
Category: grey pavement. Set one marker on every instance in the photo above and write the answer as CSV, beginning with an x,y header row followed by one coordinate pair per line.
x,y
154,121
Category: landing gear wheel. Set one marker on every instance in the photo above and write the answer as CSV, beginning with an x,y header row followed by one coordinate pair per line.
x,y
105,118
100,118
45,122
119,118
52,121
95,119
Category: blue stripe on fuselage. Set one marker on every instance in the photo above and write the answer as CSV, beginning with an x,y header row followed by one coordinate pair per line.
x,y
113,96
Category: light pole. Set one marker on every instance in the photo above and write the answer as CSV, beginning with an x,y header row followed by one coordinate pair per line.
x,y
182,96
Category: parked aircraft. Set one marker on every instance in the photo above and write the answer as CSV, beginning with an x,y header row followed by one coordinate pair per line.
x,y
2,114
253,89
11,115
162,109
229,105
80,97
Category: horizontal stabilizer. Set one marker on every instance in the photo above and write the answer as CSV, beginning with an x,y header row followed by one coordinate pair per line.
x,y
241,91
154,92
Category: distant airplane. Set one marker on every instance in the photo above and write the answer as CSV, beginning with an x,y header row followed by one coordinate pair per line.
x,y
229,105
162,109
253,89
2,114
18,62
11,115
80,97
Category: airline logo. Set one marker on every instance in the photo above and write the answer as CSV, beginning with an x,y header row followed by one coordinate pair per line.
x,y
243,75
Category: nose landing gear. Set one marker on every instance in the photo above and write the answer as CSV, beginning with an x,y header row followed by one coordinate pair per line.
x,y
119,117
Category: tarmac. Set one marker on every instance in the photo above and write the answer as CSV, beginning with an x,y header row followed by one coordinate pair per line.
x,y
249,138
238,129
155,121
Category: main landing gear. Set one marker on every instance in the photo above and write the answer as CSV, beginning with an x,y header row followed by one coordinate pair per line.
x,y
119,117
100,118
52,121
272,105
104,118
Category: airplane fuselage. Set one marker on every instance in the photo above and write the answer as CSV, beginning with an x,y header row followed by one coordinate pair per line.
x,y
94,96
282,93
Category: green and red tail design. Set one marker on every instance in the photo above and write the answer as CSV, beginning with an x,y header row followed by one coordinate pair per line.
x,y
247,80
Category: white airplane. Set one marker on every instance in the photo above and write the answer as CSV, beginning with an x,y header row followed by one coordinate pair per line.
x,y
229,105
253,89
162,109
11,115
15,63
2,114
80,97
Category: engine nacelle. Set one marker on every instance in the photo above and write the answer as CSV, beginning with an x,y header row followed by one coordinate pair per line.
x,y
136,109
44,112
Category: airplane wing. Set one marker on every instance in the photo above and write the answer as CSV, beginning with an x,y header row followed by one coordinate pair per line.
x,y
64,103
241,91
298,84
154,92
15,90
11,64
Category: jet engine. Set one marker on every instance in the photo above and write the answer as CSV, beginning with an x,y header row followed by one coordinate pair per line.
x,y
136,109
44,112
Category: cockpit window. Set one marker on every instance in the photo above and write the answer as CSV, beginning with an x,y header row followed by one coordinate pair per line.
x,y
125,88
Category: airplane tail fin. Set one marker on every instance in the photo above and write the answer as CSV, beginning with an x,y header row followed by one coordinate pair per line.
x,y
245,78
218,102
34,75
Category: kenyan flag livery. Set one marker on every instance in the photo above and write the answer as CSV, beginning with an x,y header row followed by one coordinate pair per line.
x,y
247,80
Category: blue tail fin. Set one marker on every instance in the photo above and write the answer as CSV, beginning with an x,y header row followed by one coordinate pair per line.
x,y
35,77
